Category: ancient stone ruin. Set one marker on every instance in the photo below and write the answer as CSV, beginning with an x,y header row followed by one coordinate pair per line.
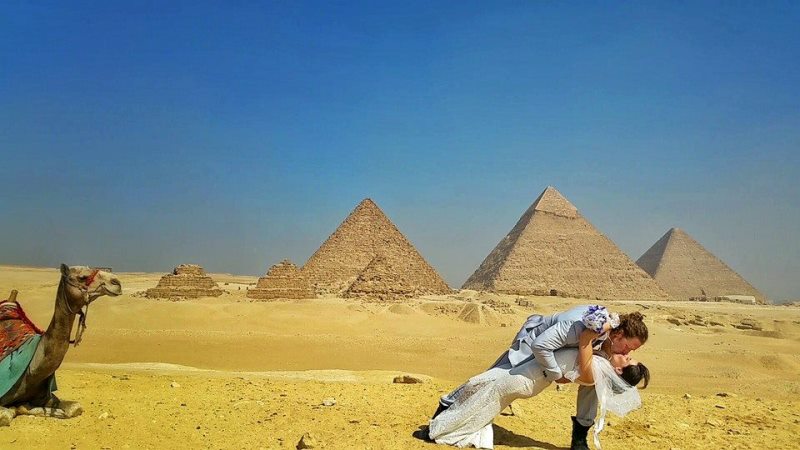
x,y
283,280
687,271
479,314
365,234
185,281
553,250
383,280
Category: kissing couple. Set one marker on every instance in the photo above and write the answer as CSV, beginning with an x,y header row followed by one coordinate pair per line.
x,y
587,345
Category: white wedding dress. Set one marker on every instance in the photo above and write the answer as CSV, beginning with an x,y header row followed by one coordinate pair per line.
x,y
468,422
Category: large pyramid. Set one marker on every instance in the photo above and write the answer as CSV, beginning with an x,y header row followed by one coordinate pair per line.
x,y
365,234
685,269
553,250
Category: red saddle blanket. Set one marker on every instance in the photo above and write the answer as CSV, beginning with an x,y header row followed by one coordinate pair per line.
x,y
15,327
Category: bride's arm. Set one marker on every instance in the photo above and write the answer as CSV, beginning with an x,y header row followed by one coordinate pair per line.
x,y
586,352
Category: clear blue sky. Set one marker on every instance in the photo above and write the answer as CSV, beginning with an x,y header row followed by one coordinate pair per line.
x,y
140,135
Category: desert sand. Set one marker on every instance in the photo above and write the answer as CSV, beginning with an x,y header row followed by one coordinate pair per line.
x,y
231,372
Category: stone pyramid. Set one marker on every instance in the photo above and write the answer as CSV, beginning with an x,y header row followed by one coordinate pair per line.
x,y
553,250
185,281
380,279
685,269
364,234
283,280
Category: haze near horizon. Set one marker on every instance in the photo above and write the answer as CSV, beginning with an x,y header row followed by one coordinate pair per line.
x,y
141,136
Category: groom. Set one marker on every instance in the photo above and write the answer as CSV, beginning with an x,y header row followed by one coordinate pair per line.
x,y
538,338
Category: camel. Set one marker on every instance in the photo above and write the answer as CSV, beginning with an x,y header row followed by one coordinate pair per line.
x,y
32,394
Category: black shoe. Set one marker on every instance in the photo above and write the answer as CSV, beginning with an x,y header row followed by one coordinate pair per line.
x,y
422,434
579,433
439,410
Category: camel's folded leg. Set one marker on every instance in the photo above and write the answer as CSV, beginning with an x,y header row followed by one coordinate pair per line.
x,y
71,409
66,410
41,411
6,416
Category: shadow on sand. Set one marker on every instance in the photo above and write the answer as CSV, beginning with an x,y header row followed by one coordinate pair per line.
x,y
506,437
502,436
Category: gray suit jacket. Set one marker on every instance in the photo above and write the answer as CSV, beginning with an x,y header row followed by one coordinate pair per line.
x,y
541,335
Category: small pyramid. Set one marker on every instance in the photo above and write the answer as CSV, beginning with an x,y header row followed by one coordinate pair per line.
x,y
283,280
185,281
553,250
381,279
364,234
685,269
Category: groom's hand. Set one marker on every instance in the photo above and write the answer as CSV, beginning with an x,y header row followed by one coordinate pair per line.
x,y
563,380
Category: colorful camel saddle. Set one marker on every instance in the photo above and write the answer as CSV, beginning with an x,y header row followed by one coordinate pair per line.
x,y
19,337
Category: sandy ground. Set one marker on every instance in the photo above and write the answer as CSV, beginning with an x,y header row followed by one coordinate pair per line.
x,y
231,373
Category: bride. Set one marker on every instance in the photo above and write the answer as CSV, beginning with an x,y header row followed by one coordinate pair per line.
x,y
468,422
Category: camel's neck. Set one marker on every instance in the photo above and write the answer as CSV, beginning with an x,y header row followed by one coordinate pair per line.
x,y
55,341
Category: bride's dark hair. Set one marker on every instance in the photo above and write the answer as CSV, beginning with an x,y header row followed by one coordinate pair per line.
x,y
635,373
632,326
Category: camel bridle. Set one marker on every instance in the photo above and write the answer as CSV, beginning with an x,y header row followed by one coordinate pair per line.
x,y
82,314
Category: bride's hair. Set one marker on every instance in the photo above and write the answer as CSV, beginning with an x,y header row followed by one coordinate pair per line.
x,y
635,373
632,326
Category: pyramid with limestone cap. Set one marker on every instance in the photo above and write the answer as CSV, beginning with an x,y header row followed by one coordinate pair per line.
x,y
363,235
685,269
553,250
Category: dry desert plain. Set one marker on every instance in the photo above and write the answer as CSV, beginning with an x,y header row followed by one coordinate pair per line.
x,y
230,373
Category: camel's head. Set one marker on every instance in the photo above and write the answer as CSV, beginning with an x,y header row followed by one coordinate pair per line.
x,y
85,284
